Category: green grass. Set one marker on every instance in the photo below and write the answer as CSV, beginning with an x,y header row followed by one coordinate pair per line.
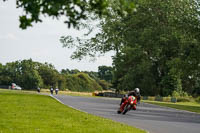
x,y
188,106
22,112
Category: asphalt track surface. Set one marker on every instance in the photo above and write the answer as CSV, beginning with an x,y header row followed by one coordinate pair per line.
x,y
154,119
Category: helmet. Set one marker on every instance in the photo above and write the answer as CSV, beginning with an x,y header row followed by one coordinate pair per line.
x,y
137,90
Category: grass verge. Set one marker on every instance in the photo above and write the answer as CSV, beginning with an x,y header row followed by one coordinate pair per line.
x,y
188,106
31,113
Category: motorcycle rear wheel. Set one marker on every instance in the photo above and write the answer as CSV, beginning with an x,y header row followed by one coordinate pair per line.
x,y
118,111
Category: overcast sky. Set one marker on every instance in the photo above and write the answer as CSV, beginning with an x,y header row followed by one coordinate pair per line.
x,y
40,42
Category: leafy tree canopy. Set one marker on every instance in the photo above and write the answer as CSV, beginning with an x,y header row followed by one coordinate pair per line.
x,y
73,10
105,73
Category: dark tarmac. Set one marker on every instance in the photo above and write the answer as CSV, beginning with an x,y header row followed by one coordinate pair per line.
x,y
153,118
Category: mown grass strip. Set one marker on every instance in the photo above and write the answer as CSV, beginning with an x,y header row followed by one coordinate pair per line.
x,y
31,113
188,106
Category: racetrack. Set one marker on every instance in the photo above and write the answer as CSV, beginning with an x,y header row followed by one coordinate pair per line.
x,y
152,118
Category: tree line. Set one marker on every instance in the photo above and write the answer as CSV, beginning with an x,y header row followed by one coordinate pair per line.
x,y
157,46
30,75
157,42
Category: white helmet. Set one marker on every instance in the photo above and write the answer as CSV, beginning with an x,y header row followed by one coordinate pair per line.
x,y
137,90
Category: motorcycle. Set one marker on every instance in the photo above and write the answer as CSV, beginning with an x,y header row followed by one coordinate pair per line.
x,y
128,104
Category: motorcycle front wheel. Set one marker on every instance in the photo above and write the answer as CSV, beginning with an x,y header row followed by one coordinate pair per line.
x,y
126,109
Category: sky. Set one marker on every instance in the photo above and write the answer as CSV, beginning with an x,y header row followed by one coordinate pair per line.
x,y
40,42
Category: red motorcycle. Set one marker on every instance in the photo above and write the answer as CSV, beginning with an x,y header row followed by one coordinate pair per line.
x,y
128,104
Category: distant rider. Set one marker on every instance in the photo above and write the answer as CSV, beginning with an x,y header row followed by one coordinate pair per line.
x,y
38,89
135,92
56,91
51,90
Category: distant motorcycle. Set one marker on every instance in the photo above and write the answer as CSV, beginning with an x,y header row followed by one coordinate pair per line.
x,y
128,104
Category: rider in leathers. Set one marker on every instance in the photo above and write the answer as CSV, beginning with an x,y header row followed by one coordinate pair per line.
x,y
135,92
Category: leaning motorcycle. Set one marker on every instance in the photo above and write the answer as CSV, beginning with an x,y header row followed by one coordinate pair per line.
x,y
128,104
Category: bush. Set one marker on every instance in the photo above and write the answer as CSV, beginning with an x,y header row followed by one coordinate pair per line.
x,y
158,98
151,98
167,99
179,94
144,97
81,82
104,84
198,99
183,99
175,94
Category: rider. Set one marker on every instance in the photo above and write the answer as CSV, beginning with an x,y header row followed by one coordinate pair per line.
x,y
135,92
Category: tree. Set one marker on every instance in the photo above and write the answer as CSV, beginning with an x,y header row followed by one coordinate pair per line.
x,y
11,73
157,46
73,10
5,78
92,74
158,39
105,73
49,75
106,40
61,83
104,84
29,77
65,71
74,71
23,73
